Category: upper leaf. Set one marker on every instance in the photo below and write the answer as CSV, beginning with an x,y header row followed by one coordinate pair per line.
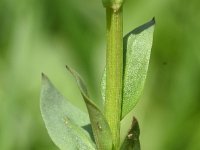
x,y
137,49
64,121
100,127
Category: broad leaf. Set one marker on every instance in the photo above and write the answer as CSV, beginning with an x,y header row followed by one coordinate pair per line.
x,y
131,141
63,120
137,49
100,127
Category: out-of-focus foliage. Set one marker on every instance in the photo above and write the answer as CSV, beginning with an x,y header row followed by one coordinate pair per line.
x,y
43,35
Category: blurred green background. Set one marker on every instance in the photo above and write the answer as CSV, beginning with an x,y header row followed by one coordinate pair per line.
x,y
43,35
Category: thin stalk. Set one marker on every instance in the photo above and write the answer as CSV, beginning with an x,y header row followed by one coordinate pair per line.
x,y
114,69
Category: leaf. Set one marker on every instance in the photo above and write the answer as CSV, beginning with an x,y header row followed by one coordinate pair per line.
x,y
63,120
137,49
101,130
131,141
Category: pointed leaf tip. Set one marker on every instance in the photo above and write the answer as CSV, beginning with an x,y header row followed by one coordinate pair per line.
x,y
141,28
137,48
45,80
99,124
154,20
68,68
63,120
43,75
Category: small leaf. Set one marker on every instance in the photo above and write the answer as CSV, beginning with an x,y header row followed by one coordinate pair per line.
x,y
131,141
63,120
101,130
137,49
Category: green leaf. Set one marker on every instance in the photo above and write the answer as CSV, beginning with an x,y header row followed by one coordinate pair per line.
x,y
137,49
100,127
63,120
131,141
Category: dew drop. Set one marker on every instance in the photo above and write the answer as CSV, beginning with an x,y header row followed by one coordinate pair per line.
x,y
66,120
130,136
99,126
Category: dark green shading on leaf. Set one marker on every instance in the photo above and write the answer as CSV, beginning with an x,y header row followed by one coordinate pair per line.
x,y
63,120
100,127
131,141
137,49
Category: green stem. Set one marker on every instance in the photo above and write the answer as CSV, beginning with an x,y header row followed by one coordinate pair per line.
x,y
114,69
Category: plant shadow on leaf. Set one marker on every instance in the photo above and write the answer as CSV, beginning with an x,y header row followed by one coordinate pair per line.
x,y
88,128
